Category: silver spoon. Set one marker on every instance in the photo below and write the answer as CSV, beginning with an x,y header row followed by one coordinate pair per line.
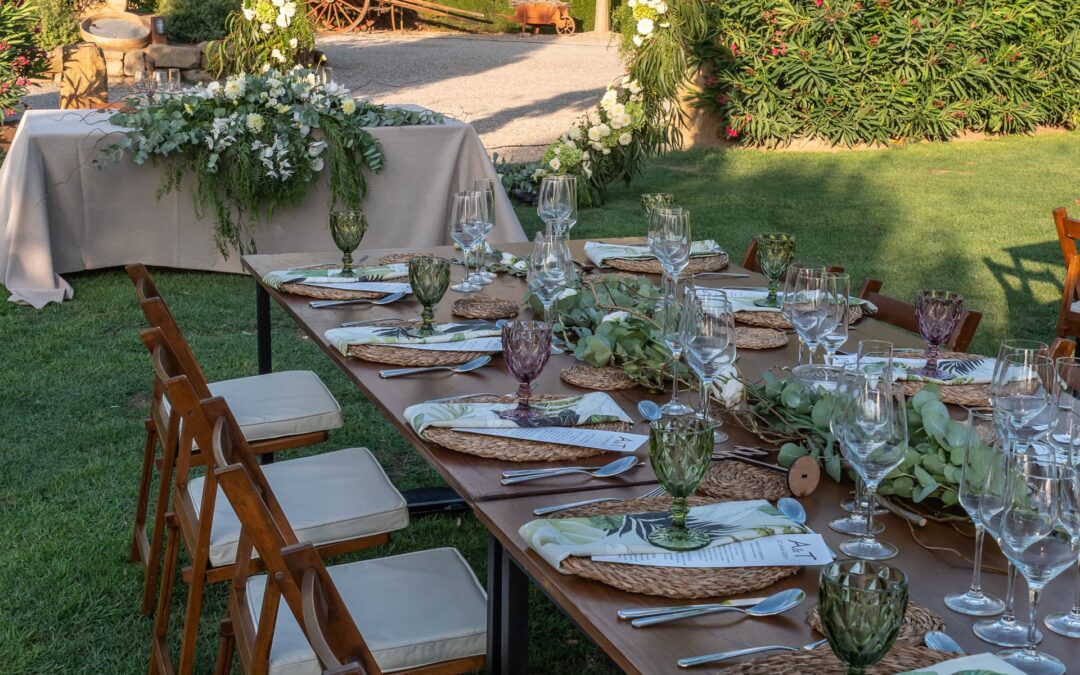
x,y
735,653
777,603
942,642
468,366
649,410
385,300
621,465
792,509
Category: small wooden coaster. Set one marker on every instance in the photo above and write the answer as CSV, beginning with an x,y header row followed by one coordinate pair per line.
x,y
697,264
403,356
484,307
733,480
759,338
591,377
917,621
821,661
401,257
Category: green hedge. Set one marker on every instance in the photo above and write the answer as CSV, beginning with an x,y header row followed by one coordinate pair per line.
x,y
871,71
196,20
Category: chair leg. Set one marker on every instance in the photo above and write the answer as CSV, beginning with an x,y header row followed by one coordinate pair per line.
x,y
160,660
226,645
140,545
190,634
157,535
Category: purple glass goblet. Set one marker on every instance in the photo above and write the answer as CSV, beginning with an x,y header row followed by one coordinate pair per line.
x,y
526,348
937,312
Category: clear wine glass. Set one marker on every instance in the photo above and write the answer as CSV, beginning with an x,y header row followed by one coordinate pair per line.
x,y
548,272
787,293
855,523
1064,438
669,240
466,226
979,446
672,322
486,187
709,344
808,308
834,331
526,349
874,357
1039,533
938,313
567,205
876,435
775,252
551,204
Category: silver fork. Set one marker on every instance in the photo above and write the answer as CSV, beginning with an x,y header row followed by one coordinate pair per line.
x,y
658,491
735,653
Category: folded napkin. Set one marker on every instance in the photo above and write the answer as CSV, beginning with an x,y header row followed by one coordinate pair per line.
x,y
979,664
598,253
309,276
594,408
343,338
742,300
954,371
556,539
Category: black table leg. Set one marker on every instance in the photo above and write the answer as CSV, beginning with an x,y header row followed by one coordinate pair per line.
x,y
262,336
508,613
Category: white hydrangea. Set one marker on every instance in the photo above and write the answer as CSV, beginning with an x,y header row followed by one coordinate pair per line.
x,y
626,139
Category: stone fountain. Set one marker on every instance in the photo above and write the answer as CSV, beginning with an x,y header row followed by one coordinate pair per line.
x,y
113,28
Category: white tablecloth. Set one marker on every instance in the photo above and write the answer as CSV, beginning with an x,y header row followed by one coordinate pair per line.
x,y
60,213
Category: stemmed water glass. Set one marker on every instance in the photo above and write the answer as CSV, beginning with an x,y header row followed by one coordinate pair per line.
x,y
808,307
347,227
855,522
1039,532
873,426
709,344
788,293
775,251
429,277
680,450
556,203
669,240
1064,438
979,449
549,270
526,348
674,319
862,606
486,188
467,223
834,327
938,313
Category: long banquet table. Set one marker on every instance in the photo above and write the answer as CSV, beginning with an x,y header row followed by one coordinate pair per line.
x,y
934,571
61,213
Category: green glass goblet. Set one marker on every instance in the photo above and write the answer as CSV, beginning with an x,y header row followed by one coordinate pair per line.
x,y
429,277
655,200
347,227
680,449
862,605
775,251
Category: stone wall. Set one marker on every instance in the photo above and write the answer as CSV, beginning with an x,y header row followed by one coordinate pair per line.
x,y
121,66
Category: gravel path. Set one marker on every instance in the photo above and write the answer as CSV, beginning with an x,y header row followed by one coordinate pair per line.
x,y
520,92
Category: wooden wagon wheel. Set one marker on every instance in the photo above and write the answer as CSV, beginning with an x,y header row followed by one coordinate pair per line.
x,y
567,28
337,16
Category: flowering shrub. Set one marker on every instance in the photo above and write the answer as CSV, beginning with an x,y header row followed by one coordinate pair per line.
x,y
871,71
264,33
255,142
649,15
602,146
20,60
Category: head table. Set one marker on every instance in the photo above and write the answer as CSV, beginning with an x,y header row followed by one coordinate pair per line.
x,y
591,605
61,213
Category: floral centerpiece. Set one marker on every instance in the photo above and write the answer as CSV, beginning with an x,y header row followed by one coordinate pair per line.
x,y
274,32
20,60
256,142
601,146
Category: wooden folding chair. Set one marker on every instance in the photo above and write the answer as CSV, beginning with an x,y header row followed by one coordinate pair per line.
x,y
902,315
750,260
1068,231
342,499
297,425
1061,348
1068,323
418,613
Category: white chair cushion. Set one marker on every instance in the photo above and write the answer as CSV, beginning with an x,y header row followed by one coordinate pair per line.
x,y
328,497
413,610
1075,307
278,404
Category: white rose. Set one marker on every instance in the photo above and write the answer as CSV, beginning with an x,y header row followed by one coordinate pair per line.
x,y
317,164
507,258
616,317
637,40
266,28
254,121
607,151
277,56
626,139
574,133
213,89
289,9
282,20
645,26
594,134
732,392
632,4
634,86
610,98
605,130
661,8
618,109
555,164
249,14
594,117
293,42
521,265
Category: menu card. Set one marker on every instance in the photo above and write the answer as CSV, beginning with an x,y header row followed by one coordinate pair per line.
x,y
488,344
783,550
611,441
978,664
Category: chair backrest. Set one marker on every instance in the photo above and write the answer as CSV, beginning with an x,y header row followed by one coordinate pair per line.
x,y
750,260
1061,348
1068,231
902,315
295,571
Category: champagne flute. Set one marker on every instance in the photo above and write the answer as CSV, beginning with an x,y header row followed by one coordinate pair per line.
x,y
680,450
526,349
486,187
429,278
862,606
709,344
347,227
466,225
775,251
672,324
978,449
834,331
1039,533
938,313
1064,438
875,430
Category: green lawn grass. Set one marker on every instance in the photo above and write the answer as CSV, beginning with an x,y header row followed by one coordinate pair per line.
x,y
971,217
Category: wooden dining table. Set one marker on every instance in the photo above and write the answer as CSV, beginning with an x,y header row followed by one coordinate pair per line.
x,y
936,556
